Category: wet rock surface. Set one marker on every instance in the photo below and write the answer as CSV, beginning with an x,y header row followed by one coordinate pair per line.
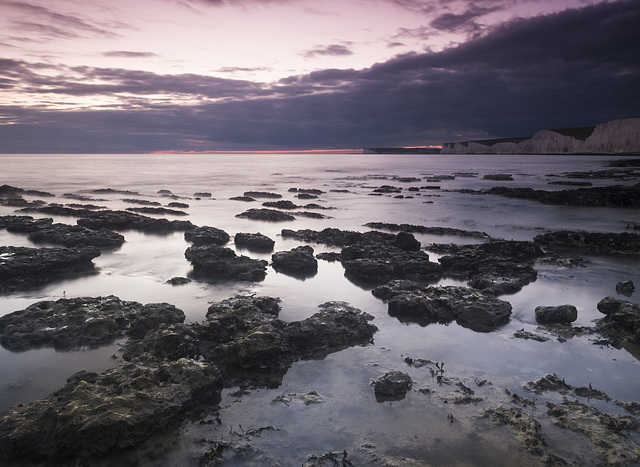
x,y
497,267
266,215
411,228
170,368
392,386
124,220
621,325
556,314
617,243
298,261
625,288
337,237
220,263
414,302
95,414
73,323
206,236
607,196
23,268
254,242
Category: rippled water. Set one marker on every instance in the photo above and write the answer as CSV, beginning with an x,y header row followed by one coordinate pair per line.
x,y
349,418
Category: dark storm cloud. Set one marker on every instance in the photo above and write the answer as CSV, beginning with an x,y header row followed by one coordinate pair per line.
x,y
336,50
574,68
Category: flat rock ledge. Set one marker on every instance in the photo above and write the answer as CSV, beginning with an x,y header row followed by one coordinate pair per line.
x,y
413,302
23,268
170,369
219,263
72,323
591,242
621,325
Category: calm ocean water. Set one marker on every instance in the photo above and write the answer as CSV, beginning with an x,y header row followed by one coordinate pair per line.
x,y
349,418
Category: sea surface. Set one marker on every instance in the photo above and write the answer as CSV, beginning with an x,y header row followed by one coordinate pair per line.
x,y
423,429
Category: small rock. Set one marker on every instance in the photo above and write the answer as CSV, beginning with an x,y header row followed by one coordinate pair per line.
x,y
556,314
392,386
625,288
255,242
178,280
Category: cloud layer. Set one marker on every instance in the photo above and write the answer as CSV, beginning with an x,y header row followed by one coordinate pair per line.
x,y
573,68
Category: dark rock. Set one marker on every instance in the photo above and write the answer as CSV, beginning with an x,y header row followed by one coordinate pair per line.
x,y
382,263
414,302
12,190
72,323
496,267
281,204
427,230
527,430
498,177
23,268
621,323
261,194
556,314
254,242
206,236
165,192
23,224
219,263
96,414
20,202
243,198
311,191
178,205
587,242
142,202
202,194
56,209
606,196
336,237
313,215
407,242
266,215
158,211
306,196
298,261
388,189
112,191
178,280
625,288
392,386
123,220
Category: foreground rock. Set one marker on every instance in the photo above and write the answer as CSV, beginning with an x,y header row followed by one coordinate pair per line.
x,y
206,236
266,215
44,230
298,262
73,323
254,242
220,263
497,267
414,302
171,369
392,386
621,323
96,414
124,220
556,314
587,242
23,268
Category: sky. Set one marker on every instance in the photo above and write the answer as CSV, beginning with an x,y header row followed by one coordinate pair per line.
x,y
88,76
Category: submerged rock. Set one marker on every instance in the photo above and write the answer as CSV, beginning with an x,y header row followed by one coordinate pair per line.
x,y
23,268
413,302
527,430
220,263
556,314
255,242
71,323
298,261
392,386
625,288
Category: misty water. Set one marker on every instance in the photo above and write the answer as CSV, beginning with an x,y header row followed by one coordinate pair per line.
x,y
423,429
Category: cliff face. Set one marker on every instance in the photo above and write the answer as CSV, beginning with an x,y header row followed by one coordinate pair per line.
x,y
614,137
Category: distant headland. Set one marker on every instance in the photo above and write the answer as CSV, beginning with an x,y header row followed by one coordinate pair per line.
x,y
614,137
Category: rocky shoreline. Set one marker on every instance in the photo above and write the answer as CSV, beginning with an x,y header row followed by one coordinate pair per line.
x,y
169,368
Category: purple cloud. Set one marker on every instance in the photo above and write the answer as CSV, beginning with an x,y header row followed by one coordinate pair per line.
x,y
336,50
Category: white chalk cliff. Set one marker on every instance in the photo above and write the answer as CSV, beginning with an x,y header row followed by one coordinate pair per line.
x,y
614,137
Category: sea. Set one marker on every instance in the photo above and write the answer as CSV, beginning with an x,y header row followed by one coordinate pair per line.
x,y
424,428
